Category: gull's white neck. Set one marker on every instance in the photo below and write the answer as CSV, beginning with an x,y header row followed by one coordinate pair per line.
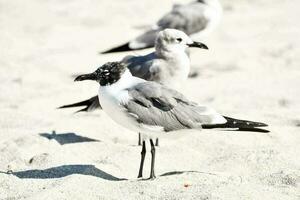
x,y
171,51
126,81
176,65
113,98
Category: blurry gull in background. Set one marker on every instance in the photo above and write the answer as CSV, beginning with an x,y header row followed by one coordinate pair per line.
x,y
197,19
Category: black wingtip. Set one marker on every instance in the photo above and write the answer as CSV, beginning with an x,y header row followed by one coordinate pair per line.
x,y
244,123
78,111
89,105
70,106
239,125
254,130
122,48
82,103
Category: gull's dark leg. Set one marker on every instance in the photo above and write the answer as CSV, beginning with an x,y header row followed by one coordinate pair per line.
x,y
152,174
140,141
156,142
143,155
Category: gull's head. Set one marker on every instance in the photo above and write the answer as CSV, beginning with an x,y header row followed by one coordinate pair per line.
x,y
175,40
107,74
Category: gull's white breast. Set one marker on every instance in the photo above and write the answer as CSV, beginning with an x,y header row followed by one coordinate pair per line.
x,y
114,97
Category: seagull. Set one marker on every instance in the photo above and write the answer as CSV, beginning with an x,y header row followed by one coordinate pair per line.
x,y
169,64
153,109
196,19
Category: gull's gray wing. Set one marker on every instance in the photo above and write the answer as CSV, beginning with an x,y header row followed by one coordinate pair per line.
x,y
143,66
152,104
188,18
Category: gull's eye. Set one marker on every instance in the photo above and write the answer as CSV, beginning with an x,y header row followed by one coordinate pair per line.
x,y
178,39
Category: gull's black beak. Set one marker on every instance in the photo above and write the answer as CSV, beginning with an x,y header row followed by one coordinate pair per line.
x,y
198,45
92,76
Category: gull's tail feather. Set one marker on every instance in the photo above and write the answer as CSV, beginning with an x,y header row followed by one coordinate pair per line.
x,y
144,41
90,104
121,48
240,125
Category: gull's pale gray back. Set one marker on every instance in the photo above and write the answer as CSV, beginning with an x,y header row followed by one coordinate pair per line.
x,y
152,104
143,66
188,18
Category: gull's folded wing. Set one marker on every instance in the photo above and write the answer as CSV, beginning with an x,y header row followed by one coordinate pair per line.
x,y
155,105
152,104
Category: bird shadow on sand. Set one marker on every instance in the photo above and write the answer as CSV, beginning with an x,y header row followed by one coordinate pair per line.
x,y
67,138
63,171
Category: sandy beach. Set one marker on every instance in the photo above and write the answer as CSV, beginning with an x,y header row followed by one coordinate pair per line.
x,y
251,71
